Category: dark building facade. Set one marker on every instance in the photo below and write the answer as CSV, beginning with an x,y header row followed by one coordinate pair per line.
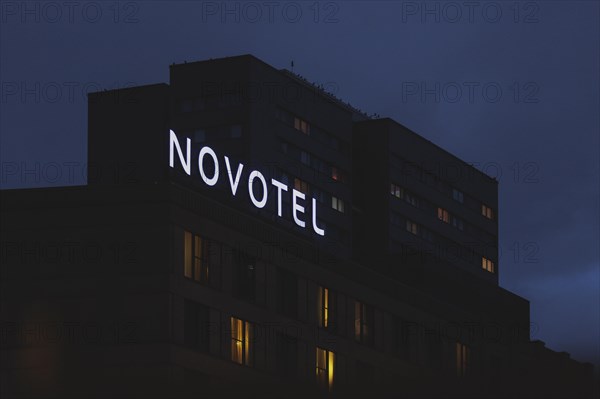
x,y
243,232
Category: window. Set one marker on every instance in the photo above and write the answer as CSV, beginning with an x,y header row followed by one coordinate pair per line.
x,y
396,190
301,186
325,368
241,342
427,235
443,215
199,136
244,277
411,199
433,346
284,147
462,359
326,300
487,211
363,323
287,294
457,195
337,204
336,174
412,227
318,195
186,106
196,326
287,355
235,131
458,223
487,264
302,125
196,257
305,157
406,334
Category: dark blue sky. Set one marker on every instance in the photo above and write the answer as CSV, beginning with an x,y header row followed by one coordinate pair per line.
x,y
512,87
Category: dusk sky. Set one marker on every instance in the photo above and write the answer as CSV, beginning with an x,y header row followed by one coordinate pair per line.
x,y
511,87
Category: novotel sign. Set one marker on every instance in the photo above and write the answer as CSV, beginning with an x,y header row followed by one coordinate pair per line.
x,y
258,200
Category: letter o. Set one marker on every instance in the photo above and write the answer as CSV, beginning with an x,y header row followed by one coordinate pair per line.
x,y
263,201
213,180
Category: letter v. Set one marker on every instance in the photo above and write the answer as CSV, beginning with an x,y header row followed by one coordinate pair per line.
x,y
238,174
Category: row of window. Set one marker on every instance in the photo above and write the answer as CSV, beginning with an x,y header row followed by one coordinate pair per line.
x,y
208,102
424,176
245,338
442,214
203,256
416,229
311,130
314,162
311,191
215,133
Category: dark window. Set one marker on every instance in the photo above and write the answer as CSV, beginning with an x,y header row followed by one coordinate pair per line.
x,y
196,325
287,355
433,343
405,338
363,323
244,277
287,298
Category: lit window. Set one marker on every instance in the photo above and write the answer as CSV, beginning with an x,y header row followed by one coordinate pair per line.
x,y
487,211
302,125
462,359
337,204
301,186
457,195
412,227
325,368
241,342
443,215
326,308
487,264
196,265
396,190
363,323
336,174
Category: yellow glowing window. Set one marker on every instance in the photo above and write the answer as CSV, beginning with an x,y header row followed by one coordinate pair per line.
x,y
187,254
462,359
241,342
323,309
302,125
487,211
443,215
487,264
195,254
325,368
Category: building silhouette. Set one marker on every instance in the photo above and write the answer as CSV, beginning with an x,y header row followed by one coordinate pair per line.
x,y
244,232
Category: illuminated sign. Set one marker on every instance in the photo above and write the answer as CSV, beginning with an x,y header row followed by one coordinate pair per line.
x,y
206,152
